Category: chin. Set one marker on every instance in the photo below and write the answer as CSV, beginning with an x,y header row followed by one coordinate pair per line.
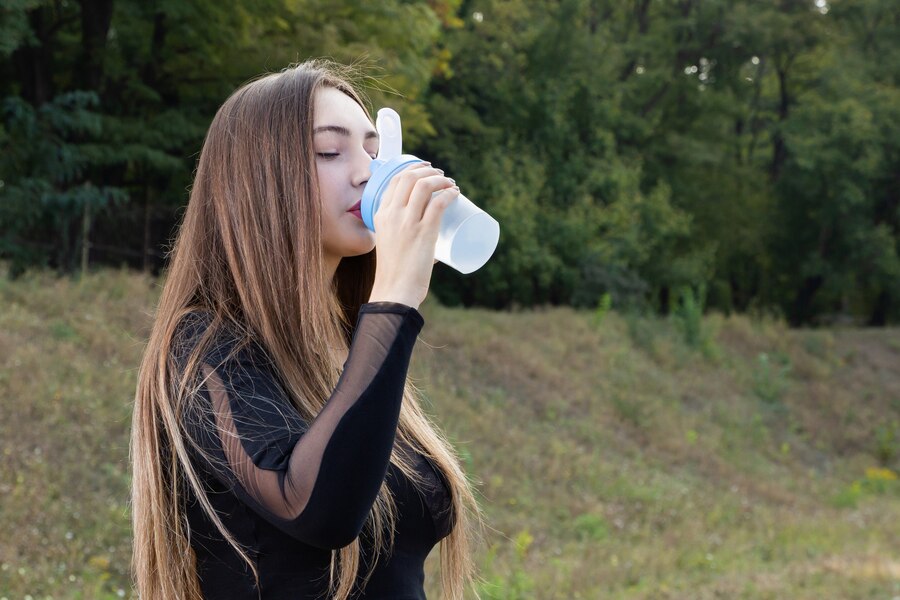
x,y
360,250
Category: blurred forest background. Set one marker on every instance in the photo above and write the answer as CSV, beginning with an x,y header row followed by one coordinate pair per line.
x,y
646,159
643,153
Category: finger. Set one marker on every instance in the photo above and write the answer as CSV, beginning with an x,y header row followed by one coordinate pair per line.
x,y
408,179
389,192
422,194
436,207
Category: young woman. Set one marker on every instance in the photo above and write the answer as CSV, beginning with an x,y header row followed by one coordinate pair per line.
x,y
279,449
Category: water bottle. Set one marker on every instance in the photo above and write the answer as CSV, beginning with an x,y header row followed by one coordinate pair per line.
x,y
467,236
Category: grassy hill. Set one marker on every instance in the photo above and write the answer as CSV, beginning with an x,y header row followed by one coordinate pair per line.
x,y
614,459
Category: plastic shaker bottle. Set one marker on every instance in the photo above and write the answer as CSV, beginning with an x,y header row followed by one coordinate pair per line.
x,y
467,237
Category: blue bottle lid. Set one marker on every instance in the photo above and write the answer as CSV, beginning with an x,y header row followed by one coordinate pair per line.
x,y
382,172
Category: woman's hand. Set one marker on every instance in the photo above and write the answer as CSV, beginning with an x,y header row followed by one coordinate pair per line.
x,y
406,231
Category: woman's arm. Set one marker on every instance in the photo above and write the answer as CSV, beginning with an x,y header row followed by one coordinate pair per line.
x,y
316,485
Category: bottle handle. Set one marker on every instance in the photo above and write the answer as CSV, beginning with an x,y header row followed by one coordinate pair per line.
x,y
390,134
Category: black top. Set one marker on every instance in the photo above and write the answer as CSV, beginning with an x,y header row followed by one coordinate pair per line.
x,y
293,491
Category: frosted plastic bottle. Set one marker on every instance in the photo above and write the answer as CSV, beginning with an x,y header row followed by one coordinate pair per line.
x,y
467,236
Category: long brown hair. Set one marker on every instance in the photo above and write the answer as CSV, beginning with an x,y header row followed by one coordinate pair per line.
x,y
249,252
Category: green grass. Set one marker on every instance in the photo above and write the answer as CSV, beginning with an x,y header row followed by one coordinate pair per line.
x,y
614,457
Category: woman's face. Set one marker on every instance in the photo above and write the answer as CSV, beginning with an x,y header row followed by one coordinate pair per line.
x,y
345,144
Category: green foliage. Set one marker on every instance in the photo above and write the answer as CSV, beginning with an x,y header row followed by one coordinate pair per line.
x,y
631,410
628,150
643,329
596,499
591,527
120,129
14,27
770,378
596,228
887,442
62,331
516,584
603,307
687,315
877,482
47,152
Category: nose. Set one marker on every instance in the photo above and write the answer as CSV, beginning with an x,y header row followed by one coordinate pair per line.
x,y
361,167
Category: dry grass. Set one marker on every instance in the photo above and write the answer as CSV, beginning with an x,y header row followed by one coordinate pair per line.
x,y
613,461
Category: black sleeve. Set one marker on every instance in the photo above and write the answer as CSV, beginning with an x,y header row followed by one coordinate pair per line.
x,y
316,482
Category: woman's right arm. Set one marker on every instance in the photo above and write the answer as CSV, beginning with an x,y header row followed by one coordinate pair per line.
x,y
317,485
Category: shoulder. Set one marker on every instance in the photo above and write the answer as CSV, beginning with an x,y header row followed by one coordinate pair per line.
x,y
191,328
218,341
225,356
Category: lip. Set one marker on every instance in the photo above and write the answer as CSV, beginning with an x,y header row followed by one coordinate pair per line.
x,y
355,207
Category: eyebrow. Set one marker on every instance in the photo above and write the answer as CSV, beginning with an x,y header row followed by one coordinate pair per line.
x,y
344,131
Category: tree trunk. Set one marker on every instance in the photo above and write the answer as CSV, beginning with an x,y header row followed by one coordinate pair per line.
x,y
802,312
33,62
95,19
664,300
147,266
85,237
779,151
879,315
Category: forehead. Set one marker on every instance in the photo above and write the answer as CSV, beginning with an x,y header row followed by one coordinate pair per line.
x,y
333,107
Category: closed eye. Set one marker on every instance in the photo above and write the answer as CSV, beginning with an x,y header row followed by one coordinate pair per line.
x,y
331,155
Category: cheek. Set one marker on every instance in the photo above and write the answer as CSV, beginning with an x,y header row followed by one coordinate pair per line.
x,y
329,189
329,199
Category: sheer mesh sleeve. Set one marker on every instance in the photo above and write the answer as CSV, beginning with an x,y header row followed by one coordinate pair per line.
x,y
317,483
